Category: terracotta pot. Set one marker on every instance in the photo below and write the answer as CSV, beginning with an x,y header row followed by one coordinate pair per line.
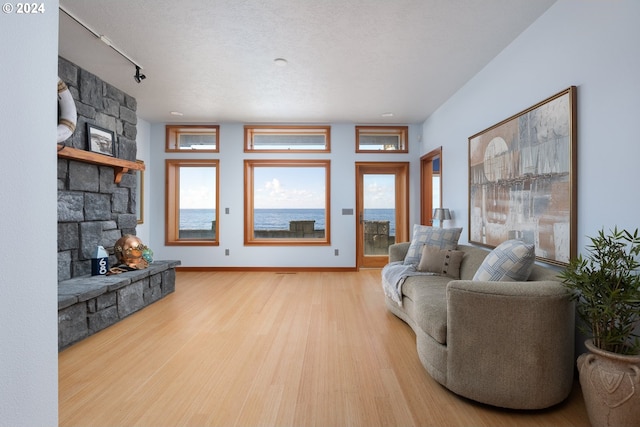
x,y
610,386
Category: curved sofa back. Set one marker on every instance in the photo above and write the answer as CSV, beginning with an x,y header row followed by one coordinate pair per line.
x,y
474,255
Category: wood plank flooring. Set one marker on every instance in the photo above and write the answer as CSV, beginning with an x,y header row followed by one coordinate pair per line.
x,y
269,349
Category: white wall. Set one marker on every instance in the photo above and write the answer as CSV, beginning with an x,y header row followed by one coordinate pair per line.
x,y
343,227
28,263
593,45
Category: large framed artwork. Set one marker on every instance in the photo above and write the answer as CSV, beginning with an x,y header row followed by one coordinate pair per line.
x,y
522,180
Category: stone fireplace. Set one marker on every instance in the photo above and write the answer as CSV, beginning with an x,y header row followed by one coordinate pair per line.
x,y
96,206
93,209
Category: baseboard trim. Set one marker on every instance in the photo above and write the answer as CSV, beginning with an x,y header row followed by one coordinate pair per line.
x,y
270,269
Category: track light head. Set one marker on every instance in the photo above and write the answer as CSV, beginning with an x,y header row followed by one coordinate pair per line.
x,y
139,77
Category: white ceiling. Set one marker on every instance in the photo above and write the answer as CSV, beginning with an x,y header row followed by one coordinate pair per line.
x,y
348,60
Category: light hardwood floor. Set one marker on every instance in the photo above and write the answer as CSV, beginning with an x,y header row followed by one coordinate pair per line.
x,y
269,349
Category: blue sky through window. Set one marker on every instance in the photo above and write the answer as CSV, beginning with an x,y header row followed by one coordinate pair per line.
x,y
289,188
281,188
379,191
197,187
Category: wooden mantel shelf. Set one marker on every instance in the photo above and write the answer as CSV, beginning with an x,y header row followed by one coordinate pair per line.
x,y
119,166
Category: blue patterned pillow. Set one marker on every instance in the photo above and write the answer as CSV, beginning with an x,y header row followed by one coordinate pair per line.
x,y
509,262
441,238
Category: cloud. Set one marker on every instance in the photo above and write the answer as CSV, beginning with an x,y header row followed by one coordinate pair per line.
x,y
274,194
198,197
380,195
197,188
273,186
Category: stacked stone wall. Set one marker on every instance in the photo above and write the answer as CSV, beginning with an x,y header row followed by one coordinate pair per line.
x,y
92,209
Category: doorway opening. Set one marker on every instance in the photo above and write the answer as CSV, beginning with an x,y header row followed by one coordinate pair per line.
x,y
430,185
382,206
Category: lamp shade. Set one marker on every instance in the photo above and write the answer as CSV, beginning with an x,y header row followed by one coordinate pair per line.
x,y
441,214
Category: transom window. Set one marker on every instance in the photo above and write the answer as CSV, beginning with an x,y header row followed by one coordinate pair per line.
x,y
287,139
192,202
287,202
382,139
201,138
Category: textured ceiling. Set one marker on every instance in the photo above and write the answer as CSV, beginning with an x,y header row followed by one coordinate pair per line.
x,y
348,60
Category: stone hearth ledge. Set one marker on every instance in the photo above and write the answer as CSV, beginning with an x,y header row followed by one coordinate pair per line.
x,y
88,304
86,287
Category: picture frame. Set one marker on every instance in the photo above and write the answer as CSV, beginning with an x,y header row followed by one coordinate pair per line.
x,y
100,140
523,180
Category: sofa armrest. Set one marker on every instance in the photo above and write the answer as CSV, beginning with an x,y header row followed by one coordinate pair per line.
x,y
531,289
398,251
510,344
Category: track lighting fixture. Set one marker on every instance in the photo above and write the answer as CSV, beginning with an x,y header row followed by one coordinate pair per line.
x,y
139,77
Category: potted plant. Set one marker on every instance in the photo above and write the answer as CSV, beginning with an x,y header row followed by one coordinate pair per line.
x,y
605,283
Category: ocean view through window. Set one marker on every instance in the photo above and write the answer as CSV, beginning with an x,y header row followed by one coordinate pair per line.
x,y
278,219
192,199
287,202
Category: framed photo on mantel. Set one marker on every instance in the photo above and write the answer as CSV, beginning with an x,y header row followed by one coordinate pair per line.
x,y
522,180
100,140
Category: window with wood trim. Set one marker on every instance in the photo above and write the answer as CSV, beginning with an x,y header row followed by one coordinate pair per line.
x,y
287,139
287,202
192,202
382,139
185,138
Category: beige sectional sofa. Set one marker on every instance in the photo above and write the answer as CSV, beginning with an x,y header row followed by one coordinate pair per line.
x,y
507,344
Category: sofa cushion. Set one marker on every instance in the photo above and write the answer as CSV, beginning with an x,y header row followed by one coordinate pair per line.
x,y
445,262
428,307
441,238
509,261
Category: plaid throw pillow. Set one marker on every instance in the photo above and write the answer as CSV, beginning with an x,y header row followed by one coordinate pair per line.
x,y
509,262
441,238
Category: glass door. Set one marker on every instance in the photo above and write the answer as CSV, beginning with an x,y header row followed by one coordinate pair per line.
x,y
382,209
